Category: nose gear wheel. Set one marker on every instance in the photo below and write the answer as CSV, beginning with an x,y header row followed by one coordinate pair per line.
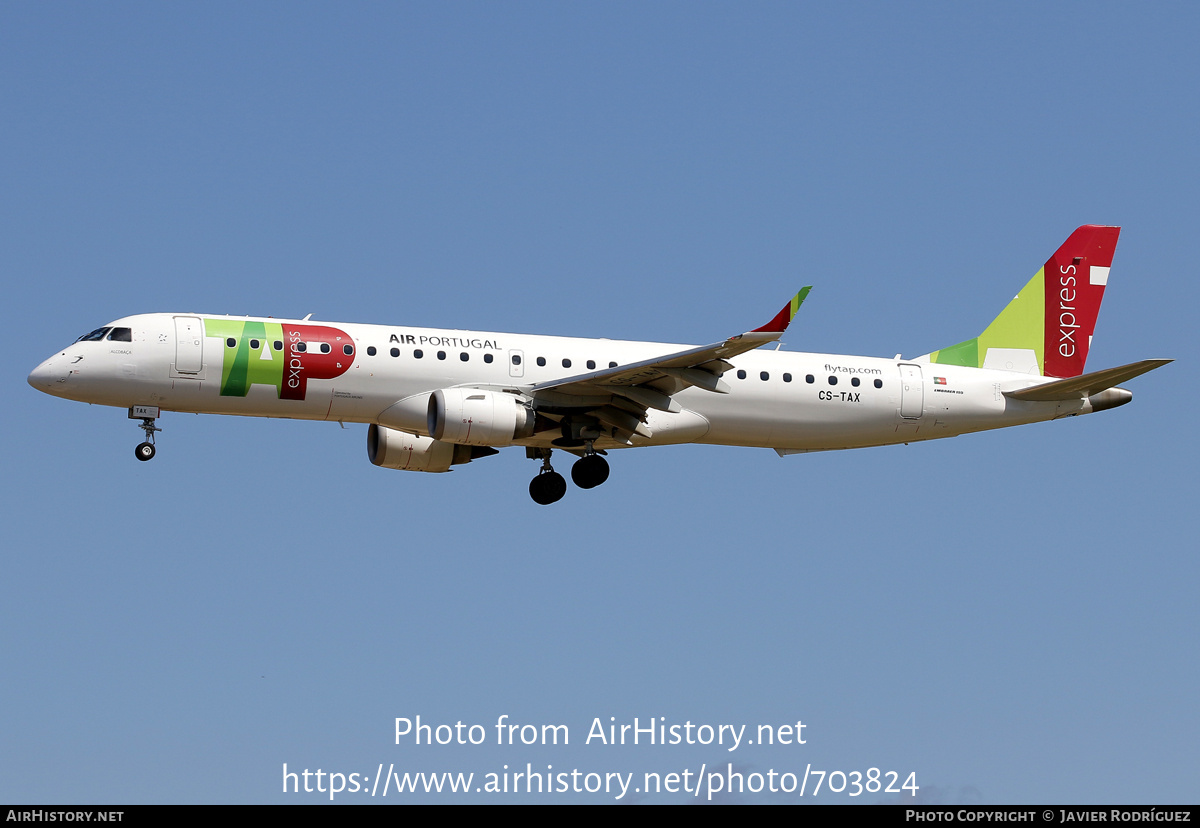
x,y
145,451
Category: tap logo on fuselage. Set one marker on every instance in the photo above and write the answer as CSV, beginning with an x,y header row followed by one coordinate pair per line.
x,y
283,355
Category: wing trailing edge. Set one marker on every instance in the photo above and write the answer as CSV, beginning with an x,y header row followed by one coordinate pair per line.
x,y
619,397
669,374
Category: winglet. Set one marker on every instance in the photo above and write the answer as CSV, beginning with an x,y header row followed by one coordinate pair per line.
x,y
784,317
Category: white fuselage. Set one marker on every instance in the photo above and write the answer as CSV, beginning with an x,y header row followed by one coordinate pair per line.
x,y
785,400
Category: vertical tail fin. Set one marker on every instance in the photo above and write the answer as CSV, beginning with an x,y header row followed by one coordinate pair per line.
x,y
1047,329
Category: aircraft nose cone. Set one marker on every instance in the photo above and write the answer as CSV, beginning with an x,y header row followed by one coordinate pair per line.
x,y
46,376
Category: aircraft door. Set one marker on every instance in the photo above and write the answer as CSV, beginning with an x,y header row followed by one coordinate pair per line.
x,y
516,363
912,392
189,345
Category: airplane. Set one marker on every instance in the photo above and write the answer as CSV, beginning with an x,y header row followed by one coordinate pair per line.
x,y
435,398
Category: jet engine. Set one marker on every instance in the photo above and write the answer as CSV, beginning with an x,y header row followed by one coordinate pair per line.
x,y
391,449
474,417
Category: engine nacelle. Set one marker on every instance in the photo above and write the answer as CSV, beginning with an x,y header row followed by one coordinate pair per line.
x,y
391,449
474,417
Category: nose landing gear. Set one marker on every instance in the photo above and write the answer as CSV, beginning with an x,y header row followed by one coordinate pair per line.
x,y
147,414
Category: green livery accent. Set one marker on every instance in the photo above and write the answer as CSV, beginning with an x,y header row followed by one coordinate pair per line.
x,y
1021,325
786,314
798,300
242,366
964,353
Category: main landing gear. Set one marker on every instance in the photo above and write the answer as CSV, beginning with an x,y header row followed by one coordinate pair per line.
x,y
589,471
549,486
147,414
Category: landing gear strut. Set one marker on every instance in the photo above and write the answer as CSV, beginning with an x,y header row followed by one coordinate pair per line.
x,y
549,486
147,414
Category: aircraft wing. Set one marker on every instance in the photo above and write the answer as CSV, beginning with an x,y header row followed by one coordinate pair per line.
x,y
651,383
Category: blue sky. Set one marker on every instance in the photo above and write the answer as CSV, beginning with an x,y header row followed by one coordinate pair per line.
x,y
1010,615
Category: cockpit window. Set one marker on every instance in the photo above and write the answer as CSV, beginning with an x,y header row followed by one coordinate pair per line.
x,y
120,335
94,336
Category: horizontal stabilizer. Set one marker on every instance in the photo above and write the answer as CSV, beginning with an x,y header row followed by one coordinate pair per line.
x,y
1086,385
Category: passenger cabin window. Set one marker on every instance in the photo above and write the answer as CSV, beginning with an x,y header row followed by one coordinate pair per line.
x,y
612,365
854,381
764,376
566,363
417,354
277,344
832,379
299,347
464,356
121,335
371,350
741,374
325,348
348,350
516,359
254,343
396,352
487,358
541,361
879,383
232,343
810,379
787,377
441,354
591,365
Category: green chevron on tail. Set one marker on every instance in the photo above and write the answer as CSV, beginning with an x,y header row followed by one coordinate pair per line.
x,y
1018,327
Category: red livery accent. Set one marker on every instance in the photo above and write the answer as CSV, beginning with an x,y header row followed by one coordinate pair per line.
x,y
304,360
780,323
1075,277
